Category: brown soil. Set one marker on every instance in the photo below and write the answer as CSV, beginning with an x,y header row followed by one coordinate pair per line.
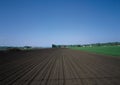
x,y
58,67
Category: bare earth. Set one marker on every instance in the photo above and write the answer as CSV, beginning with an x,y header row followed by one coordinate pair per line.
x,y
58,67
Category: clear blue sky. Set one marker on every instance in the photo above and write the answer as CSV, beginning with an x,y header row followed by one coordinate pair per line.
x,y
44,22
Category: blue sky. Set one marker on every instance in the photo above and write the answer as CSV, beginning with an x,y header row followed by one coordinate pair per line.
x,y
46,22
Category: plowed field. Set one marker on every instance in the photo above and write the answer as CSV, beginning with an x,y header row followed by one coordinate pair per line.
x,y
58,67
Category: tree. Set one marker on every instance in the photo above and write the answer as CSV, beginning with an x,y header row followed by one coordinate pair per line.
x,y
54,46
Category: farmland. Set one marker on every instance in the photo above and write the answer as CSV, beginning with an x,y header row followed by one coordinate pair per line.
x,y
58,66
106,50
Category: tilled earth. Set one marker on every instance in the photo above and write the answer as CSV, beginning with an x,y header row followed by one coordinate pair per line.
x,y
58,67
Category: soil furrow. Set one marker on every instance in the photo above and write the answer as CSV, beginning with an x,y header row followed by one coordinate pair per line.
x,y
58,66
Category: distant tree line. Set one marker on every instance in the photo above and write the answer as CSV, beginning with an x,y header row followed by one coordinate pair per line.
x,y
106,44
64,46
11,48
87,45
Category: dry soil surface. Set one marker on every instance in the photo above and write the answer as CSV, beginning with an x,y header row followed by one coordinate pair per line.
x,y
58,67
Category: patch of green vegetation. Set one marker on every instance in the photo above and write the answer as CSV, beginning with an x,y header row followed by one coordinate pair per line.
x,y
106,50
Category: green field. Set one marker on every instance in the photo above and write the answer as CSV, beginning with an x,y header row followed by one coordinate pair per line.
x,y
106,50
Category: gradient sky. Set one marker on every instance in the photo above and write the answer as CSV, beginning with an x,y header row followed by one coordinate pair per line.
x,y
44,22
